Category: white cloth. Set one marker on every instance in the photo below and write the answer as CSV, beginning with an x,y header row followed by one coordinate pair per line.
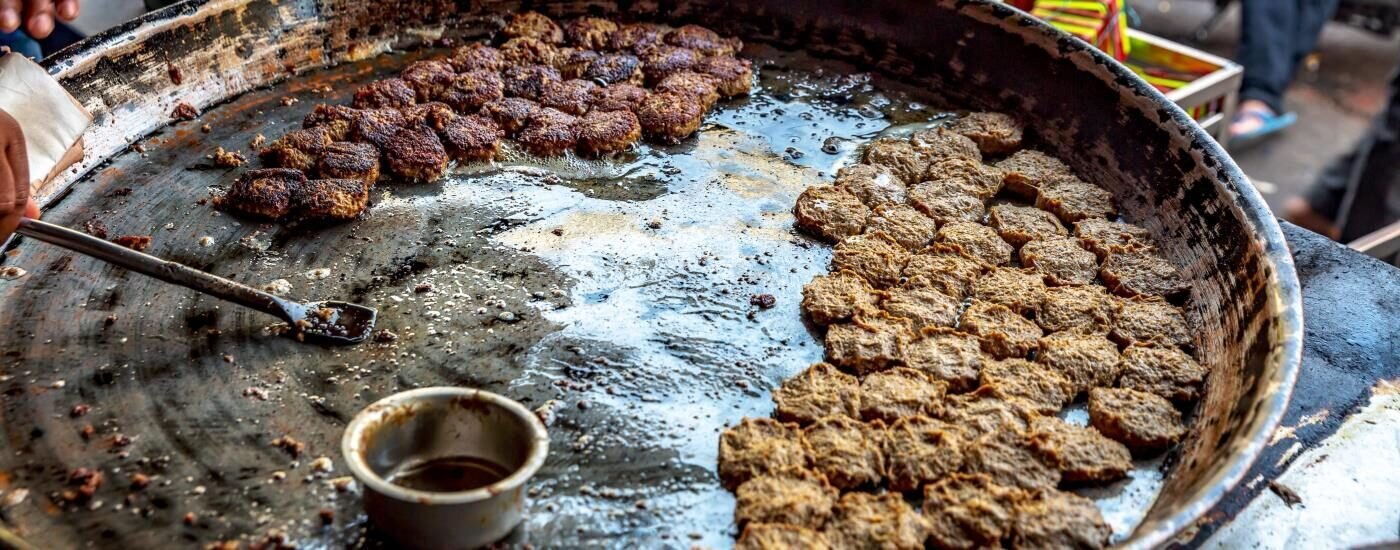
x,y
53,122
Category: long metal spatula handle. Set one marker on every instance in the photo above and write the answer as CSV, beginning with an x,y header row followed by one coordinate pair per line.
x,y
147,264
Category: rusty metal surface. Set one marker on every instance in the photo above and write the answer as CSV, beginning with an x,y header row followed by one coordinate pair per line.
x,y
1337,443
619,291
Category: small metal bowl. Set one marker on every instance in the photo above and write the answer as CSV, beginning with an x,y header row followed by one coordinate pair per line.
x,y
415,426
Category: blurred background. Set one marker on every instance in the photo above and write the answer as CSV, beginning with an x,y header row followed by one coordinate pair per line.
x,y
1339,87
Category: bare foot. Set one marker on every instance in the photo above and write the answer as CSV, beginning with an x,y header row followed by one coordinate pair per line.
x,y
1298,212
1246,124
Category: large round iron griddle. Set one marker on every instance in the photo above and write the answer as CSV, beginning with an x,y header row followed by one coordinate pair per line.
x,y
641,333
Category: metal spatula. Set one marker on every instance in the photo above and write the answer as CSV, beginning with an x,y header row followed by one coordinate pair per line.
x,y
337,323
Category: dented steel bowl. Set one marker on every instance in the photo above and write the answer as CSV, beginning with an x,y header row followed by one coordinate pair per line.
x,y
420,425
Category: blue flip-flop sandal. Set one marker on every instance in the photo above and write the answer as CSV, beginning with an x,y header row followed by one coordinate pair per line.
x,y
1270,125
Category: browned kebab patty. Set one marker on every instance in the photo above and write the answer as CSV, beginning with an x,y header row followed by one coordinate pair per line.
x,y
994,133
376,126
662,61
1061,261
297,150
865,520
1087,360
947,203
1079,308
817,392
846,450
1164,371
985,411
570,96
470,90
873,184
870,342
1073,200
668,117
1081,453
618,97
607,132
759,446
1147,423
948,271
780,536
1019,225
1008,457
875,257
921,450
636,37
477,56
344,160
948,355
330,200
265,193
524,51
429,79
939,143
335,119
792,496
969,173
1145,319
966,511
550,132
1021,290
1040,388
435,115
830,213
898,393
591,33
923,307
1141,272
528,81
734,75
1026,171
703,40
1103,237
976,240
415,153
533,25
902,158
907,226
511,114
1002,332
836,297
472,138
612,68
702,87
392,93
1056,519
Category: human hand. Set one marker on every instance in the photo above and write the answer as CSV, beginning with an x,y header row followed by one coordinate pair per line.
x,y
37,16
14,177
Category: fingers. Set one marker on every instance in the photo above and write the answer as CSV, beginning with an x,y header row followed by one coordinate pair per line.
x,y
67,9
38,15
8,224
14,174
9,15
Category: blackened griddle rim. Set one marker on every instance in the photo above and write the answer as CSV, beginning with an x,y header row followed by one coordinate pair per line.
x,y
1281,306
